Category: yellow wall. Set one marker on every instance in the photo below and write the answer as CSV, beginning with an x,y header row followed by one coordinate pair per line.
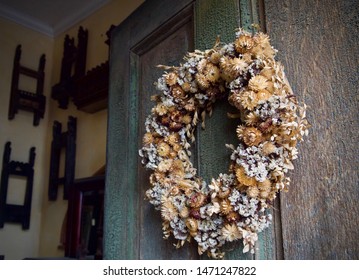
x,y
16,243
91,128
43,238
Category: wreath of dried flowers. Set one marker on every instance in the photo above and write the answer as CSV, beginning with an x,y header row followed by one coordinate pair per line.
x,y
235,205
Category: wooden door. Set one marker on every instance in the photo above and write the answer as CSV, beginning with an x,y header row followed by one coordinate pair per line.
x,y
318,217
159,32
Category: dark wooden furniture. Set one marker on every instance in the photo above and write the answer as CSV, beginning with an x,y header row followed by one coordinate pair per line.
x,y
85,218
25,100
10,213
62,140
73,67
88,90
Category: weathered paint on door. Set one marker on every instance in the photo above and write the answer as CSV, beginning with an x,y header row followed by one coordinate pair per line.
x,y
132,226
317,44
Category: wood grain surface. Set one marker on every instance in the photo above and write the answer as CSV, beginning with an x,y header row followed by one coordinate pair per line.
x,y
318,45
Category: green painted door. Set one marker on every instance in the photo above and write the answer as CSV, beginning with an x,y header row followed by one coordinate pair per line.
x,y
161,32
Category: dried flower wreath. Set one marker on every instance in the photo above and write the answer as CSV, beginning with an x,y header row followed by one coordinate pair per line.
x,y
233,206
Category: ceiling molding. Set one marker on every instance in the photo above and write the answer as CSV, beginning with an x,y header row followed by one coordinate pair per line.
x,y
77,16
25,20
45,28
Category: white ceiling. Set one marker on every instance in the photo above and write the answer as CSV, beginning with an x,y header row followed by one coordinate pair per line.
x,y
50,17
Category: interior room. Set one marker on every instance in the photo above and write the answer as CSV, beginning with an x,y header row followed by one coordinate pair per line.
x,y
111,140
41,27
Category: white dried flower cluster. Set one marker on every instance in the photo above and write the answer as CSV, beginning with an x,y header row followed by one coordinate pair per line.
x,y
233,206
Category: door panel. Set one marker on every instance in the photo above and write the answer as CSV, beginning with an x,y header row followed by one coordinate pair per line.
x,y
161,32
166,45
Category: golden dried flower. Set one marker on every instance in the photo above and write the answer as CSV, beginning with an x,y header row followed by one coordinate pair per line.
x,y
157,177
226,68
202,81
211,72
226,207
168,210
176,147
223,193
268,73
244,43
186,86
264,194
163,149
201,66
238,66
174,191
268,148
235,100
231,232
190,105
147,139
263,95
197,200
177,168
251,119
244,179
178,92
265,185
184,213
187,119
262,48
161,109
258,83
251,136
215,57
171,78
172,139
247,57
253,192
164,165
248,99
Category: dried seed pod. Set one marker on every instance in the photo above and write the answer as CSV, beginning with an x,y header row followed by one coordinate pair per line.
x,y
192,225
175,126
